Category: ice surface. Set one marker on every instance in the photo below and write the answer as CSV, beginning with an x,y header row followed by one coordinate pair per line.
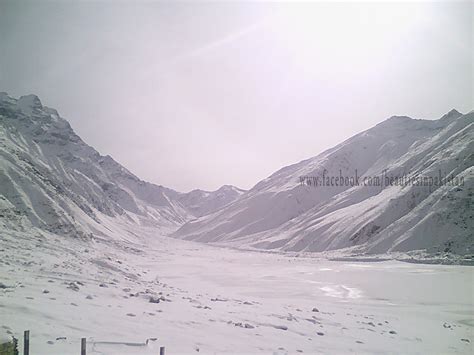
x,y
216,300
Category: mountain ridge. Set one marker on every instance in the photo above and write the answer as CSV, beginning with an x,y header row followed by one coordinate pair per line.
x,y
52,178
290,217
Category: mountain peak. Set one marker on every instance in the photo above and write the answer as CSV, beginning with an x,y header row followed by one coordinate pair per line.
x,y
229,188
397,119
28,103
397,122
451,114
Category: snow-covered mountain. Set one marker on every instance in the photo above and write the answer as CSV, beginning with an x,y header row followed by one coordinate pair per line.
x,y
200,202
50,179
287,212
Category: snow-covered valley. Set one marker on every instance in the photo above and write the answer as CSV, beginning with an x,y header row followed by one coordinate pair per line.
x,y
88,249
216,300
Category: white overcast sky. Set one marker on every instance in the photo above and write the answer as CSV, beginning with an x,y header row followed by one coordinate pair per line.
x,y
201,94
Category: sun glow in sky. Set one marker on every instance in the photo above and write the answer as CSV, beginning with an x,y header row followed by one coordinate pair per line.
x,y
200,94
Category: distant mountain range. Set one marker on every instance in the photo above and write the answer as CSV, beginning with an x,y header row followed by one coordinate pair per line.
x,y
400,186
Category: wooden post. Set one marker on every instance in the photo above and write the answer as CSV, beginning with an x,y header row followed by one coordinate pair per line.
x,y
83,346
26,342
162,350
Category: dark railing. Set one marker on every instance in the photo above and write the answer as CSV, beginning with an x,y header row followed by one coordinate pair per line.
x,y
26,346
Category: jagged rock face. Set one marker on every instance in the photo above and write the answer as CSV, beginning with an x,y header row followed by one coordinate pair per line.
x,y
282,213
51,179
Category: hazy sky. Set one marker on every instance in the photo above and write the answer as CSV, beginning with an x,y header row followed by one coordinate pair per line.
x,y
197,95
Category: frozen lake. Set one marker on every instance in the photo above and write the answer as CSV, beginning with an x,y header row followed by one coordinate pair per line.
x,y
216,300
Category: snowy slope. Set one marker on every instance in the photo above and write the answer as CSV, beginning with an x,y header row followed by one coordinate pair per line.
x,y
50,179
281,213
